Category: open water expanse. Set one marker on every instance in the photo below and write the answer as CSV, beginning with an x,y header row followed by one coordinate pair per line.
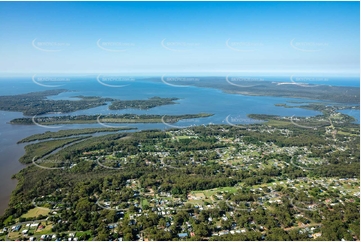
x,y
193,100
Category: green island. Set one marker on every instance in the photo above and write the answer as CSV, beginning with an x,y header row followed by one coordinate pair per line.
x,y
142,104
288,178
111,118
36,103
70,132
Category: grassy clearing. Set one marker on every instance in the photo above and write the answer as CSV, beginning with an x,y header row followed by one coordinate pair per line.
x,y
45,230
211,192
199,202
13,235
346,133
36,212
145,202
184,137
82,234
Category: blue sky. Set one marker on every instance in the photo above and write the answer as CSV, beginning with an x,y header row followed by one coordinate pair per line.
x,y
180,37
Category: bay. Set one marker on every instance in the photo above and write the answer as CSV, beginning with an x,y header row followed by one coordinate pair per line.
x,y
193,100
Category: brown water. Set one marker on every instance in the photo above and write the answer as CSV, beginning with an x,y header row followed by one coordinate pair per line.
x,y
9,166
10,154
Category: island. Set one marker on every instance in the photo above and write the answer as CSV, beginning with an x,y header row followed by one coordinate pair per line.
x,y
70,132
110,118
37,103
142,104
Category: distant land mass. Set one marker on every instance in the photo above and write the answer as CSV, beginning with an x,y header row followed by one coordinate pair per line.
x,y
340,94
36,103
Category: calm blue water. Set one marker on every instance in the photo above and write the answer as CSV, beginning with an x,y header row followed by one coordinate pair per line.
x,y
192,99
354,113
225,107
